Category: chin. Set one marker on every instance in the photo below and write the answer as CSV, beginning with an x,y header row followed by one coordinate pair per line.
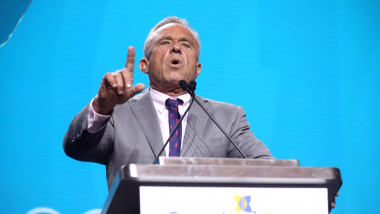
x,y
175,78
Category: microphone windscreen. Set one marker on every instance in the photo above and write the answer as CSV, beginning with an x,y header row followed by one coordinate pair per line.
x,y
183,84
192,85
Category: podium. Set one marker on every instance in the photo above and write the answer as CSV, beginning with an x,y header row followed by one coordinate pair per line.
x,y
222,185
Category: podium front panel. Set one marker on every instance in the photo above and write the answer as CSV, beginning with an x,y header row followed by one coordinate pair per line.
x,y
223,200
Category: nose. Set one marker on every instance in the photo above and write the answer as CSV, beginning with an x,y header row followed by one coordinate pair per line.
x,y
176,48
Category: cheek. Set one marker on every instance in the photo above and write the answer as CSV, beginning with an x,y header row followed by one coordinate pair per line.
x,y
156,63
193,63
158,54
162,52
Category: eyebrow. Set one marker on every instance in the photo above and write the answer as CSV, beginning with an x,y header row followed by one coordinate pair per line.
x,y
181,39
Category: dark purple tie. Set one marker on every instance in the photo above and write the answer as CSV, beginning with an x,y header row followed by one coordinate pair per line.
x,y
175,141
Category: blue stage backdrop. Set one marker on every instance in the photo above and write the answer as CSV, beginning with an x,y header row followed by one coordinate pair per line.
x,y
306,72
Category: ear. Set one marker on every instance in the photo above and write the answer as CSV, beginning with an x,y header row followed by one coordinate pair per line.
x,y
199,66
143,65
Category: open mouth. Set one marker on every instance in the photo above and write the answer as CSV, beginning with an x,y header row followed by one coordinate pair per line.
x,y
175,62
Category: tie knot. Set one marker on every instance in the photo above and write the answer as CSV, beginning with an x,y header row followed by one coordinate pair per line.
x,y
173,103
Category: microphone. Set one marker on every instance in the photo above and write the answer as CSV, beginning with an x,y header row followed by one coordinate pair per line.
x,y
186,87
183,84
192,85
191,88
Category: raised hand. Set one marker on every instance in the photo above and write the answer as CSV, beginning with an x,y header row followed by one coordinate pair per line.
x,y
116,88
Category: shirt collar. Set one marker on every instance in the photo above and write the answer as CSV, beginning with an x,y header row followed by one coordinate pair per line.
x,y
159,99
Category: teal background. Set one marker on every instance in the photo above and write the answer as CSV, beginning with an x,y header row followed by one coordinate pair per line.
x,y
306,73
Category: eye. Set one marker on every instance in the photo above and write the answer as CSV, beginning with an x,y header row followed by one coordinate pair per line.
x,y
187,45
164,43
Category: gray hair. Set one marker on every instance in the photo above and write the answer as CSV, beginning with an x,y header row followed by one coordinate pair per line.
x,y
165,21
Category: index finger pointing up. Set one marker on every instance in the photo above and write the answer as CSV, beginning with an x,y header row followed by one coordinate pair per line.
x,y
129,64
130,58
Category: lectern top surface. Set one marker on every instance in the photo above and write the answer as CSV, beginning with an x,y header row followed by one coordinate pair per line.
x,y
227,161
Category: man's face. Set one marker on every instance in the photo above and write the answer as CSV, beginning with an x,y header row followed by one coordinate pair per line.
x,y
173,57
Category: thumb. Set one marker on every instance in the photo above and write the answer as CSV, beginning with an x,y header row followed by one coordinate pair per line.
x,y
136,89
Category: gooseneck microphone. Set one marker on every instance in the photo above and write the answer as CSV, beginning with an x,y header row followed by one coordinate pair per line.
x,y
182,83
190,88
192,85
187,87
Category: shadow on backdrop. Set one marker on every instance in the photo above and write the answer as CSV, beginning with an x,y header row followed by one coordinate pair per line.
x,y
11,13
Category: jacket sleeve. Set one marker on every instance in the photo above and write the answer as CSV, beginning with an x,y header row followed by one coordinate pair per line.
x,y
82,145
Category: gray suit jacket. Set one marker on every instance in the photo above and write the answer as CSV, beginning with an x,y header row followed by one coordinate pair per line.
x,y
133,135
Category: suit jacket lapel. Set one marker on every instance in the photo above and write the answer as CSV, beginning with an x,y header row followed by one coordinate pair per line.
x,y
196,128
146,114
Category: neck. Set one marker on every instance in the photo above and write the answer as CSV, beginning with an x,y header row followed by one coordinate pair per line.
x,y
171,92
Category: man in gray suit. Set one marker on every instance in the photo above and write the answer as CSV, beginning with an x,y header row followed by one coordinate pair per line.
x,y
118,128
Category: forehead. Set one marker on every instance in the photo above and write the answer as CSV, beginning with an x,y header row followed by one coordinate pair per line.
x,y
173,30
